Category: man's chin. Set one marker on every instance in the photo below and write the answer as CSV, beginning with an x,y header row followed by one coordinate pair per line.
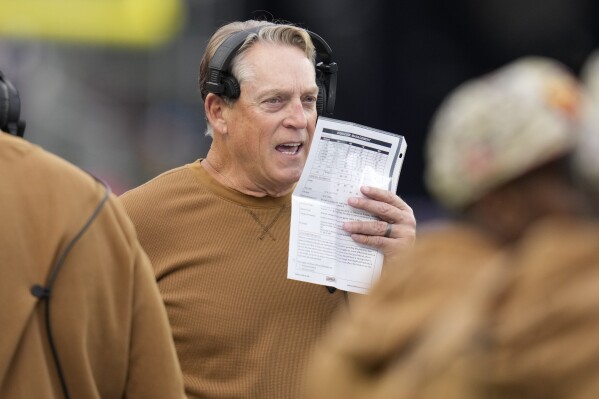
x,y
289,178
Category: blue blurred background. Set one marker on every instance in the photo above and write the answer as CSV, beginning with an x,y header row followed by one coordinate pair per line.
x,y
111,85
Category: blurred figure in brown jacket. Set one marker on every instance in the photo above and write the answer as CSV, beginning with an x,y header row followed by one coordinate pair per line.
x,y
80,311
501,301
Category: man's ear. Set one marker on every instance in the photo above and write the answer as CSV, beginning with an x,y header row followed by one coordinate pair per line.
x,y
213,107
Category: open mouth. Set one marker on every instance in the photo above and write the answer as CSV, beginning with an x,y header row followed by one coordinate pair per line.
x,y
289,148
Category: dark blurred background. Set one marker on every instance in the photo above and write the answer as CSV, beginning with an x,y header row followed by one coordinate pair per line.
x,y
128,108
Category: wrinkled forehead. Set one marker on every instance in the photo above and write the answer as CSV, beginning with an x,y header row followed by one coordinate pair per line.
x,y
270,61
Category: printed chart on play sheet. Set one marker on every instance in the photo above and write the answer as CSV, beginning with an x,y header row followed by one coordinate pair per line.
x,y
343,157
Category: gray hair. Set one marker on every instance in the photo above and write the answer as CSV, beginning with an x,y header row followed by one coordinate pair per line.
x,y
270,32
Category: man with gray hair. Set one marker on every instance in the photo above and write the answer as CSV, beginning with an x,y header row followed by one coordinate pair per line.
x,y
217,230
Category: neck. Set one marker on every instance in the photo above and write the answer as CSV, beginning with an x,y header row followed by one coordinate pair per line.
x,y
236,179
214,171
219,173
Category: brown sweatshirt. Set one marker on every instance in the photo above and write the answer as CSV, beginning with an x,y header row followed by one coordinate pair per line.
x,y
241,328
107,319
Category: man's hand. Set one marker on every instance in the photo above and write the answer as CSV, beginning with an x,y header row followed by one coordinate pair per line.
x,y
396,229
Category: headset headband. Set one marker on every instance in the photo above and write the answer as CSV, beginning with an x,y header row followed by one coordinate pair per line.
x,y
221,82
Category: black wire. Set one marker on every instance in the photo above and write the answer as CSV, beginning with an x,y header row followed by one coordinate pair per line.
x,y
44,292
63,255
63,383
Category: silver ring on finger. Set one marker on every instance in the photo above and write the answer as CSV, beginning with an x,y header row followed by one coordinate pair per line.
x,y
388,230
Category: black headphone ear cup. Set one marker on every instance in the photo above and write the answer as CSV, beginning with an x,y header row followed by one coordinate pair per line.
x,y
232,89
321,100
10,108
4,103
3,110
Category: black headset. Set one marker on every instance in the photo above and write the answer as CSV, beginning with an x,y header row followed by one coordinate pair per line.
x,y
221,82
10,108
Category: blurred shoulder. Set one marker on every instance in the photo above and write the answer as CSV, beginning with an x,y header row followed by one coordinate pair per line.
x,y
158,187
28,162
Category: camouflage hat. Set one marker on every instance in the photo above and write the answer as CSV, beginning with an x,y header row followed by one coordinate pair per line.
x,y
495,128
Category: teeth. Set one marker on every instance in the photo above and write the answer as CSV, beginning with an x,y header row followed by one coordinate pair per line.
x,y
290,148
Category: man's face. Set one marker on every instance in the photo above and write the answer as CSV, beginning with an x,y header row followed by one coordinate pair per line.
x,y
270,126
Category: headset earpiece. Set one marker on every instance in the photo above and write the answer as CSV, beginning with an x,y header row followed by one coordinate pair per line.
x,y
326,80
322,97
326,75
10,108
221,82
231,86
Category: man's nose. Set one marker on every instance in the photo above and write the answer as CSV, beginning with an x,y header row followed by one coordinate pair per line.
x,y
297,115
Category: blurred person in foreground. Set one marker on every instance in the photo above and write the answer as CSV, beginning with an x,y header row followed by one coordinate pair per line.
x,y
81,314
217,230
501,301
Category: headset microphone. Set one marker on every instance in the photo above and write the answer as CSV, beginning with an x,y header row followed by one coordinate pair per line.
x,y
10,108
